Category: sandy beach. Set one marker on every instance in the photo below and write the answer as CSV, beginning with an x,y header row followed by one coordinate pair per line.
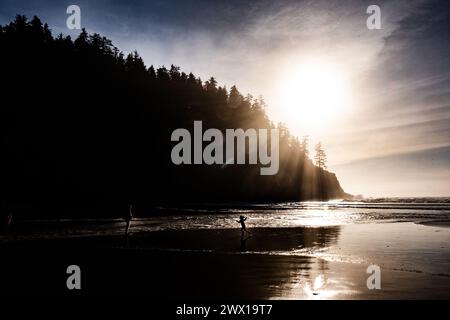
x,y
327,262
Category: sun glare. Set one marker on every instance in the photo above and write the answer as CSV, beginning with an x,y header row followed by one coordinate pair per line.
x,y
313,95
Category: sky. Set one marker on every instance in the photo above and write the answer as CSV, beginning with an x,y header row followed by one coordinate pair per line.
x,y
390,136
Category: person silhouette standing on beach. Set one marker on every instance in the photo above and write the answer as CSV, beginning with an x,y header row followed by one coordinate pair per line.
x,y
8,221
128,218
242,220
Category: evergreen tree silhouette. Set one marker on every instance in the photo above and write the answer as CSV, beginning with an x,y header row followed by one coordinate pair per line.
x,y
86,130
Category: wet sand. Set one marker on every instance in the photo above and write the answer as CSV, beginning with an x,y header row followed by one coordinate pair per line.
x,y
274,263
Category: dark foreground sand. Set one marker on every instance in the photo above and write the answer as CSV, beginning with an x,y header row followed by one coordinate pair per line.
x,y
204,264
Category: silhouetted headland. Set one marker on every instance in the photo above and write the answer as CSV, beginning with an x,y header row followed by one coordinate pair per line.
x,y
85,130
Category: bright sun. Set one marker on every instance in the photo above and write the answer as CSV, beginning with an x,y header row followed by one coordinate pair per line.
x,y
313,95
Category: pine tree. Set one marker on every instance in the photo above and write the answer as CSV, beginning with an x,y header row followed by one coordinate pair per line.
x,y
320,157
152,73
211,85
235,98
305,145
174,73
82,41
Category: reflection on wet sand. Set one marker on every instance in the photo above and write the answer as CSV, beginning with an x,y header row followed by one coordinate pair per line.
x,y
314,282
262,240
266,270
244,242
197,263
274,263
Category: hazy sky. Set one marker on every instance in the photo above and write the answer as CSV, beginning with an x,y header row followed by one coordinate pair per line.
x,y
393,136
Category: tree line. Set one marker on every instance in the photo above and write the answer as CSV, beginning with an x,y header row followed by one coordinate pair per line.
x,y
85,129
